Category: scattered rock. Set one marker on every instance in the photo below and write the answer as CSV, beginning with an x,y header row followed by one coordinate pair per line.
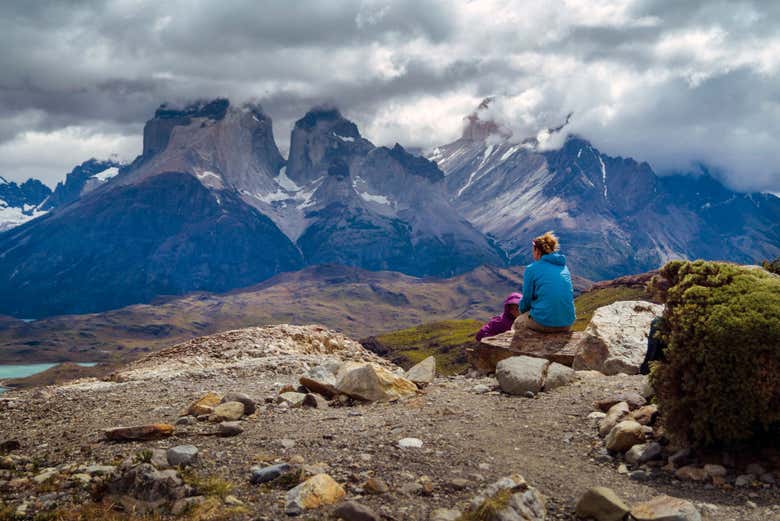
x,y
154,431
444,514
624,435
287,443
665,508
744,480
558,375
160,459
638,475
509,499
601,504
370,382
314,401
633,400
615,340
266,474
639,454
233,501
645,415
182,505
479,389
352,511
320,380
143,488
102,470
291,399
614,416
203,405
376,486
226,412
519,374
249,404
9,446
714,471
410,443
182,455
187,420
680,458
423,373
229,429
459,483
45,476
317,491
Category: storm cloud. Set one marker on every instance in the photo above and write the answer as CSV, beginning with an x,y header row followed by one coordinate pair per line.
x,y
675,83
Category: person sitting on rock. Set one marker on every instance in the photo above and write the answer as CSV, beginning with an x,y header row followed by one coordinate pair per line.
x,y
548,294
504,321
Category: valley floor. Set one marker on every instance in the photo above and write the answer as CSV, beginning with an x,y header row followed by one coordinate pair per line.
x,y
477,437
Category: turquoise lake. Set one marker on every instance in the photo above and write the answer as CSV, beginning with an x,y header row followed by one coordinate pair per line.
x,y
22,371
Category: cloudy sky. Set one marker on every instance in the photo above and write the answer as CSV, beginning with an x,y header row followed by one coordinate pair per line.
x,y
672,82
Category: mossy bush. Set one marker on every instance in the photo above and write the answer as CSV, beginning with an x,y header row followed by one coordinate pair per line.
x,y
773,266
720,382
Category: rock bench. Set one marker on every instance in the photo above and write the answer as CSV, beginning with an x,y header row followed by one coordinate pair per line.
x,y
555,347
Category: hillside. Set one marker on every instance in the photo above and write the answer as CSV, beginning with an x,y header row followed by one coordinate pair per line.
x,y
355,301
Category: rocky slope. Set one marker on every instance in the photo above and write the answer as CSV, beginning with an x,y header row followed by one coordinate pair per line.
x,y
408,460
614,215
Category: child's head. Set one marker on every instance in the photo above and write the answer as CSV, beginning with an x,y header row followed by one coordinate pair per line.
x,y
512,304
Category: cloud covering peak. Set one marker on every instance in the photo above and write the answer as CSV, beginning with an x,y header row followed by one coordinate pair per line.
x,y
674,82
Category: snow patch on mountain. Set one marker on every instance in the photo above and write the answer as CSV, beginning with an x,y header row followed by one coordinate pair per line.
x,y
107,174
285,182
11,216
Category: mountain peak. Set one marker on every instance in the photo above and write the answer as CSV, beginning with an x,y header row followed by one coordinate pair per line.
x,y
213,109
477,129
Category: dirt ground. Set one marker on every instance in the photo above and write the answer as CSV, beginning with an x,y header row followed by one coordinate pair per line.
x,y
479,437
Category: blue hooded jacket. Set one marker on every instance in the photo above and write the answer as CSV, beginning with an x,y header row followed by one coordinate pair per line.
x,y
548,292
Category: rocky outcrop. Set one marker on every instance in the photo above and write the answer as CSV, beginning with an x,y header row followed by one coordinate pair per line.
x,y
283,348
555,347
615,341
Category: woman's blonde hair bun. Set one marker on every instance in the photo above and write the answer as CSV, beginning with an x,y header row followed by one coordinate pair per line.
x,y
546,243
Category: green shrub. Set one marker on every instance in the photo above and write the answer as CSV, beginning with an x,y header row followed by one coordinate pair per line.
x,y
720,383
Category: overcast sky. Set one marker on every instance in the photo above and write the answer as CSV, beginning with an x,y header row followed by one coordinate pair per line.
x,y
671,82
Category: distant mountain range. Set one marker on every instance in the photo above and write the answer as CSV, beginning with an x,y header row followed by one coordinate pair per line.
x,y
212,205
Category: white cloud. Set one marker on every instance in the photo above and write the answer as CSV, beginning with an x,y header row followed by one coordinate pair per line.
x,y
48,156
669,82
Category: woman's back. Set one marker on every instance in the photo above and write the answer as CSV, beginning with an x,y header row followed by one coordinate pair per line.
x,y
548,294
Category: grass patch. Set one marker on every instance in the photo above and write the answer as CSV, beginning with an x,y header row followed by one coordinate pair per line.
x,y
209,486
445,340
587,303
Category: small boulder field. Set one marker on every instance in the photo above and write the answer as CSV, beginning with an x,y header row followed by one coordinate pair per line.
x,y
284,422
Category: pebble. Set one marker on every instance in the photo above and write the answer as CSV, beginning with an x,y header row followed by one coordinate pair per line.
x,y
376,486
459,483
352,511
744,480
638,475
182,455
444,514
287,443
228,429
187,420
249,404
410,443
266,474
480,389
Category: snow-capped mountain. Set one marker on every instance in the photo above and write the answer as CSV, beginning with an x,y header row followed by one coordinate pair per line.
x,y
21,203
614,215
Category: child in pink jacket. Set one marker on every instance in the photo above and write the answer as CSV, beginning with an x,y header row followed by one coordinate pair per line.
x,y
502,322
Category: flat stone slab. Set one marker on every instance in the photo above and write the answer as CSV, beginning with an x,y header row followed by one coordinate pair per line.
x,y
556,347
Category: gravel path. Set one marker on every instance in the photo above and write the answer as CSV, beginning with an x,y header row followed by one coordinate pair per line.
x,y
476,437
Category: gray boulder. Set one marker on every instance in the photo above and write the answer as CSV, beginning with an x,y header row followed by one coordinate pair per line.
x,y
423,373
520,374
615,341
182,455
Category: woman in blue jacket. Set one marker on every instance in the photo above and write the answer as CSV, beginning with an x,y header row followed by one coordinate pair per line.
x,y
548,295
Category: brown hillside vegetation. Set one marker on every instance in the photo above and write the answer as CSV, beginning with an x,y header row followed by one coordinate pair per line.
x,y
351,300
